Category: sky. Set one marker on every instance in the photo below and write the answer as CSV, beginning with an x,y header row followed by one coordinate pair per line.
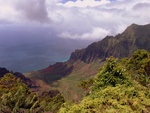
x,y
37,33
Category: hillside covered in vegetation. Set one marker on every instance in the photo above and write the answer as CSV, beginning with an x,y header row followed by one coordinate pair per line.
x,y
120,86
15,97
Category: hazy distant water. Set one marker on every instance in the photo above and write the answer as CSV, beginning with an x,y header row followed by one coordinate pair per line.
x,y
33,56
25,49
27,57
16,59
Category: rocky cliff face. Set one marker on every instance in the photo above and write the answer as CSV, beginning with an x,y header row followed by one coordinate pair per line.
x,y
94,51
122,45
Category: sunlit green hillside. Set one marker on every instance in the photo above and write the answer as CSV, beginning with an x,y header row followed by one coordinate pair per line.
x,y
120,86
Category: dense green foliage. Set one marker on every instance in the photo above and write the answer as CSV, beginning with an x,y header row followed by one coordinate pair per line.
x,y
113,73
85,84
15,97
139,63
121,86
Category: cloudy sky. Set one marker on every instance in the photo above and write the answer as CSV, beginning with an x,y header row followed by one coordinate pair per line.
x,y
36,33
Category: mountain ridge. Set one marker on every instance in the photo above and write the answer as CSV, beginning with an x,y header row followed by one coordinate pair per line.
x,y
108,46
122,45
25,80
84,63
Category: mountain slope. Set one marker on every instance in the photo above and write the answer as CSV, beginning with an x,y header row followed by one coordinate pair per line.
x,y
133,38
120,86
25,80
84,63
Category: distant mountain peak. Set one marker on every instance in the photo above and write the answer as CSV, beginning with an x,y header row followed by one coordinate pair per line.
x,y
136,25
122,45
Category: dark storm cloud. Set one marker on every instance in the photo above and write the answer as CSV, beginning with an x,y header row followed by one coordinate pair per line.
x,y
34,10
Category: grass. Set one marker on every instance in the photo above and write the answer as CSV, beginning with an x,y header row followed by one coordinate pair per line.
x,y
68,85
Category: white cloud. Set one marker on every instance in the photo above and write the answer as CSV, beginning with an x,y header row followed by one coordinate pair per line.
x,y
7,11
85,3
95,33
82,19
77,20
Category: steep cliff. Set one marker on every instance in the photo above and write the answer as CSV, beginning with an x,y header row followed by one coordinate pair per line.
x,y
122,45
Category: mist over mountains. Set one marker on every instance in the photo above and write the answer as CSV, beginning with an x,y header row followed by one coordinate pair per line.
x,y
20,52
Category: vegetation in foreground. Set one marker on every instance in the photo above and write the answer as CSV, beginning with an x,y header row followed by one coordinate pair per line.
x,y
121,86
15,97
